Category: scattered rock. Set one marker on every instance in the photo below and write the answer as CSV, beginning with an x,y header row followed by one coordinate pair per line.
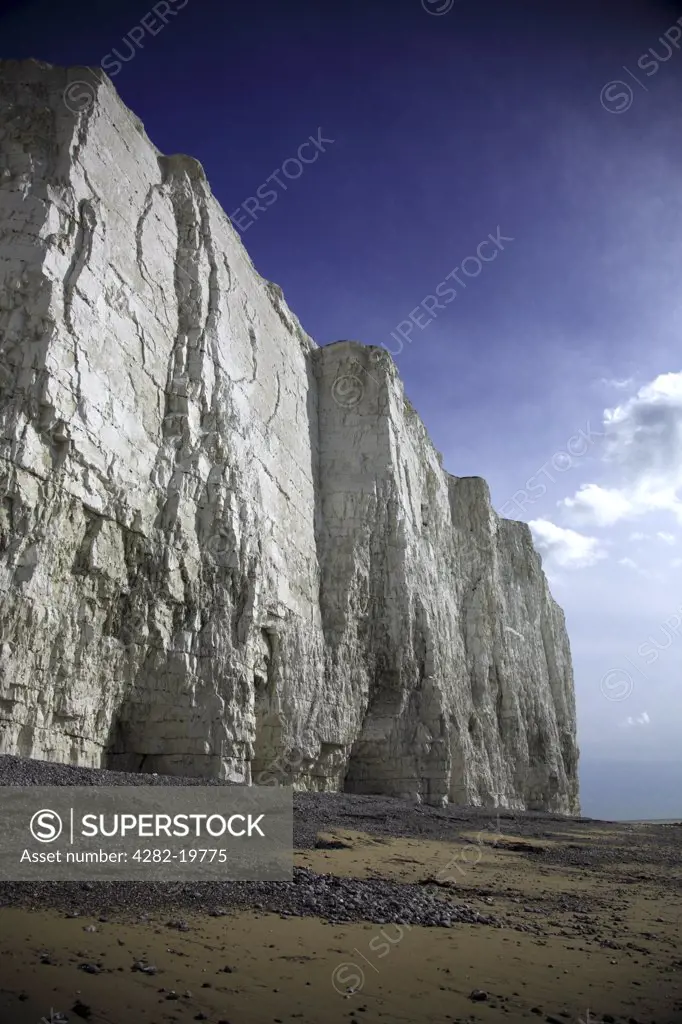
x,y
90,968
144,968
332,844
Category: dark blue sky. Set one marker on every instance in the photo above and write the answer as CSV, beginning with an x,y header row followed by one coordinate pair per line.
x,y
446,128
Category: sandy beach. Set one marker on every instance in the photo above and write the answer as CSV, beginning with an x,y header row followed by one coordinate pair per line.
x,y
543,918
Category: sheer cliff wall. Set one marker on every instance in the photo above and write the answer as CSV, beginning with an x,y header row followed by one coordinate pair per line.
x,y
224,550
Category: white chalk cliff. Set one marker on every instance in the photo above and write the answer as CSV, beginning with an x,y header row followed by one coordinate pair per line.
x,y
225,551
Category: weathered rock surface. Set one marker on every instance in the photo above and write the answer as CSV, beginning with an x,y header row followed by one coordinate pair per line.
x,y
225,551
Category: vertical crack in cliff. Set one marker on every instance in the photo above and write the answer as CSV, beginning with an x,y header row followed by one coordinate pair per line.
x,y
209,333
254,355
196,335
140,333
271,418
153,190
81,256
230,281
373,755
184,381
253,344
84,120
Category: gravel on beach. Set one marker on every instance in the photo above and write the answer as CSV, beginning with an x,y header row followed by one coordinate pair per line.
x,y
312,894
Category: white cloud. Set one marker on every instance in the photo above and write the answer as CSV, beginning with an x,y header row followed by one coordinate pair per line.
x,y
642,719
662,535
567,548
644,444
616,383
599,504
648,574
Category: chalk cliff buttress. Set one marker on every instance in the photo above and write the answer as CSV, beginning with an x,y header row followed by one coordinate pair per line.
x,y
224,550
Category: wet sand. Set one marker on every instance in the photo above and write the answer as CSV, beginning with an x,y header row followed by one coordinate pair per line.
x,y
590,918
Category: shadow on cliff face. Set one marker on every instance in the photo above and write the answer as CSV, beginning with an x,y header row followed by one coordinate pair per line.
x,y
266,761
135,743
149,735
118,755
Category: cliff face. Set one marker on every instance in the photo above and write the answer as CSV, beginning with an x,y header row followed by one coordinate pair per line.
x,y
224,550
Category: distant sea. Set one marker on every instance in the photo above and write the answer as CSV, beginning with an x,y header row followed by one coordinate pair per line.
x,y
654,821
635,791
